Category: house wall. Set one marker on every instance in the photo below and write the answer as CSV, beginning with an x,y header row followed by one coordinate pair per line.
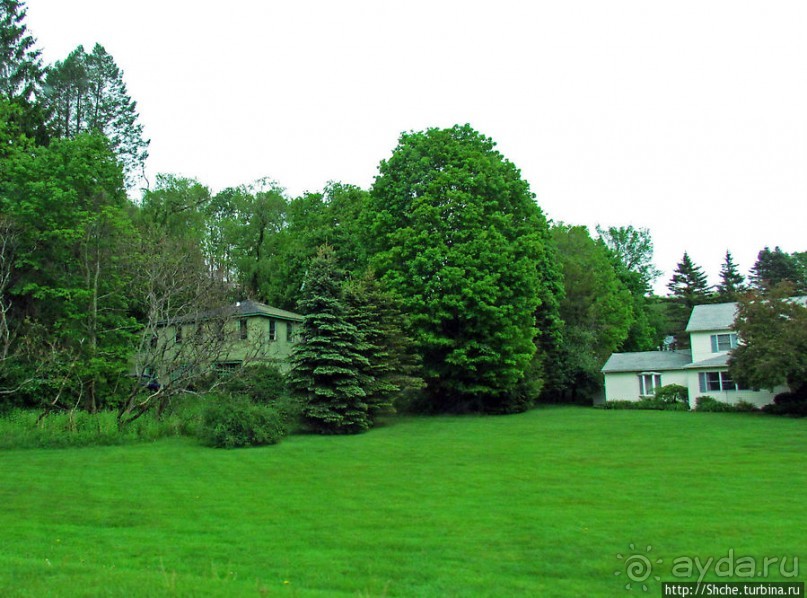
x,y
624,386
701,344
759,398
257,345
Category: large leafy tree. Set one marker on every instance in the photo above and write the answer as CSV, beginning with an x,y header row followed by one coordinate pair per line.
x,y
633,248
732,283
773,330
329,371
459,239
596,307
69,285
632,252
85,93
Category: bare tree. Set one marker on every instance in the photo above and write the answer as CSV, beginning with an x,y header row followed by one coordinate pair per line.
x,y
187,330
9,237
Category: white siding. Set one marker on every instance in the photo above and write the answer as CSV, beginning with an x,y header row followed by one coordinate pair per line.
x,y
701,343
758,398
624,386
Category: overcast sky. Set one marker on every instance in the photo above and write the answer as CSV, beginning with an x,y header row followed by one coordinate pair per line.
x,y
688,118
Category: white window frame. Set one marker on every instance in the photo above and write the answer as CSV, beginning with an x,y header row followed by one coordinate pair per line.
x,y
654,378
272,329
729,342
724,382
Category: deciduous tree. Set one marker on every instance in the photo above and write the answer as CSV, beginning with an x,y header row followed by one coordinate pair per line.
x,y
459,239
772,328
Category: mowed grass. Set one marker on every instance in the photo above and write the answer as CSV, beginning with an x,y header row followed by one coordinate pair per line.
x,y
537,504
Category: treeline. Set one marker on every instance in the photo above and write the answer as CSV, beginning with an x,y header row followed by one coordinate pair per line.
x,y
493,306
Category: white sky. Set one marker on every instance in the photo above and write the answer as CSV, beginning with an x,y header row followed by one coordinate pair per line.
x,y
688,118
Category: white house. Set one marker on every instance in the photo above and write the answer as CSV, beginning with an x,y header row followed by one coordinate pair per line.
x,y
703,369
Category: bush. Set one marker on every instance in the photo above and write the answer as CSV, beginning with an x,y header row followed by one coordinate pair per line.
x,y
235,421
788,403
672,393
261,382
712,405
652,404
745,407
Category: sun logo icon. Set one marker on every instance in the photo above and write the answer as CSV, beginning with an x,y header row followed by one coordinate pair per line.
x,y
638,567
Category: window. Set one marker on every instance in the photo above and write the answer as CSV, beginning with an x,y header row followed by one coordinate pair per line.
x,y
648,383
720,381
724,342
178,337
289,332
272,330
242,328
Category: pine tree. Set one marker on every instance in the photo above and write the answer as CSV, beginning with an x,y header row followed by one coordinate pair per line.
x,y
20,62
392,368
86,92
688,283
21,71
774,267
328,370
732,282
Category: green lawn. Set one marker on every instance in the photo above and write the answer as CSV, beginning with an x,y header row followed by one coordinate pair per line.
x,y
533,504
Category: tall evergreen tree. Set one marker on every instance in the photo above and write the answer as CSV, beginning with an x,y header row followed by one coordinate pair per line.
x,y
459,239
774,267
392,369
21,70
732,283
86,92
329,371
688,283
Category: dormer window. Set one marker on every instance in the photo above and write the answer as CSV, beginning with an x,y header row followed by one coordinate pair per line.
x,y
724,342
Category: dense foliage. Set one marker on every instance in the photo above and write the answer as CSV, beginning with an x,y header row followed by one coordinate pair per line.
x,y
459,239
773,329
329,370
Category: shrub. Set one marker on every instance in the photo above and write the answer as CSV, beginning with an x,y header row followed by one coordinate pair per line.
x,y
712,405
651,403
788,403
261,382
745,407
672,393
235,421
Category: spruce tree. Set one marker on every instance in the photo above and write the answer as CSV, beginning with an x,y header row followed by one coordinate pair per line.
x,y
688,283
774,267
732,282
392,368
328,370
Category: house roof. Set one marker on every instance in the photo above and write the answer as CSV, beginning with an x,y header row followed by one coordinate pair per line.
x,y
717,361
240,309
715,316
254,308
647,361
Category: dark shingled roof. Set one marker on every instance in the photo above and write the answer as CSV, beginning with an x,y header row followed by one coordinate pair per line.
x,y
647,361
241,309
